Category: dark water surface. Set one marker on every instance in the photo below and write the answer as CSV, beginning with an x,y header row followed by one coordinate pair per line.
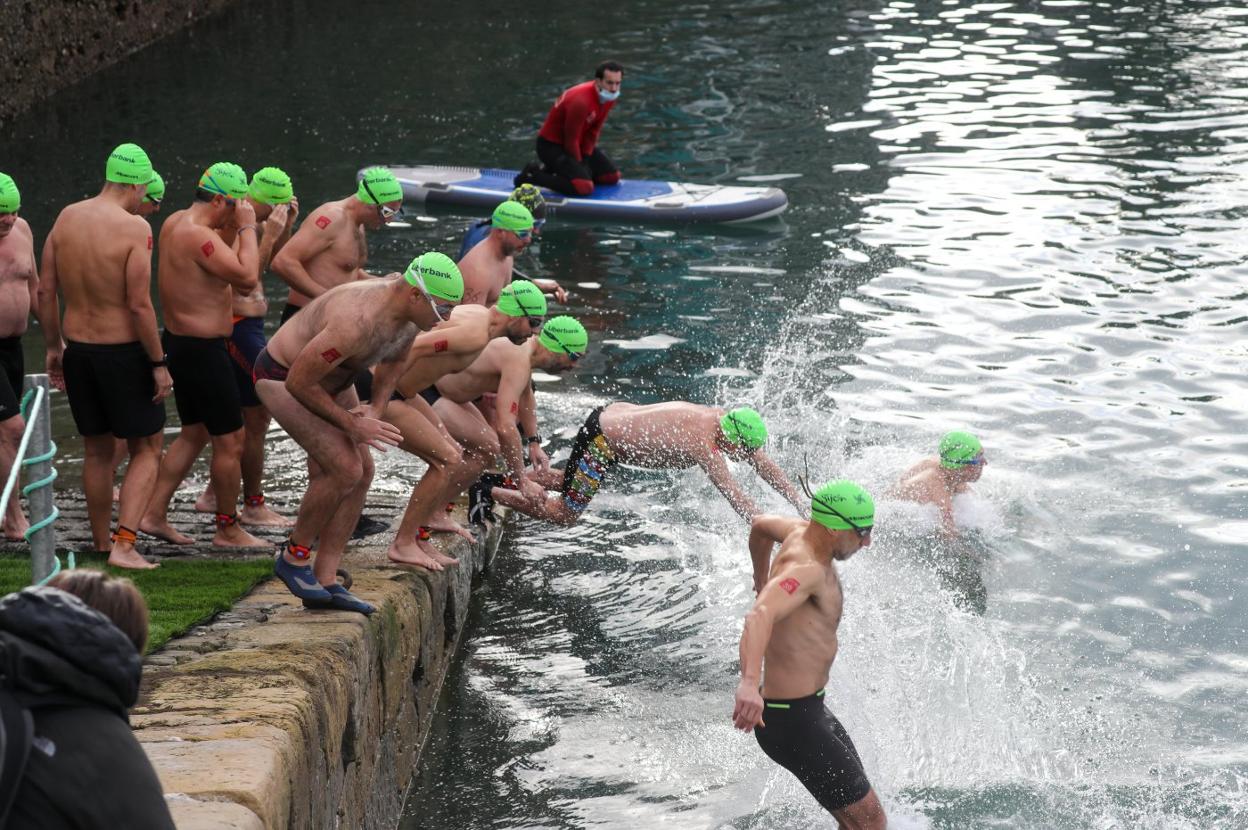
x,y
1024,218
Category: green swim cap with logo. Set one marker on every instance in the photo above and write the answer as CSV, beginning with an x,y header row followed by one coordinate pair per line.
x,y
379,186
744,426
10,196
271,186
224,179
957,449
438,275
521,298
530,195
155,188
128,164
512,216
842,505
564,335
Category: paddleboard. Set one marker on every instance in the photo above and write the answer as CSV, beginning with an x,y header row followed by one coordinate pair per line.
x,y
632,200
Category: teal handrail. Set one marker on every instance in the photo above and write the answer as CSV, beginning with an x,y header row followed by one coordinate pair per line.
x,y
32,401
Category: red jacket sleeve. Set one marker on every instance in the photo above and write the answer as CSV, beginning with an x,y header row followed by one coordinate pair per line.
x,y
574,118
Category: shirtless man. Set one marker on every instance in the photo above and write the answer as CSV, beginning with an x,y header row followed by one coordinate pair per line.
x,y
673,435
487,267
937,480
99,254
19,282
530,196
273,199
506,370
329,249
792,630
453,346
304,376
197,274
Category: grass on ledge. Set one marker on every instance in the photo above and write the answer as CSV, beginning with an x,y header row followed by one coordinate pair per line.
x,y
180,593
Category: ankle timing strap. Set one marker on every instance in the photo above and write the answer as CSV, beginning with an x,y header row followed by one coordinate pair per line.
x,y
422,534
125,534
224,520
300,552
254,501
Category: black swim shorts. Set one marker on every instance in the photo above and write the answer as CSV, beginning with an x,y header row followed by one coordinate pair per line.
x,y
244,344
802,736
110,389
591,457
203,382
14,370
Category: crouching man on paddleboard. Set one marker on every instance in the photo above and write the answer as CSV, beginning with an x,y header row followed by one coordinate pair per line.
x,y
567,144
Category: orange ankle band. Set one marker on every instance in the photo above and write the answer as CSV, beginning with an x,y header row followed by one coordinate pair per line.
x,y
125,534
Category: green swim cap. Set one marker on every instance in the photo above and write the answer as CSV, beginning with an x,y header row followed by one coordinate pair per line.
x,y
128,164
564,335
957,449
522,298
379,186
155,188
512,216
744,426
271,186
438,275
530,195
224,179
853,504
10,196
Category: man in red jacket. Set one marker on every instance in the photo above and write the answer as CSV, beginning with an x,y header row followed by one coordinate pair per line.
x,y
567,144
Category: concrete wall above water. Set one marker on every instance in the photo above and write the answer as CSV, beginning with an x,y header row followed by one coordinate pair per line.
x,y
51,44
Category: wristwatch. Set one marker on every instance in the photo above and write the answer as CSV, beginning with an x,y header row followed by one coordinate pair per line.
x,y
533,439
164,361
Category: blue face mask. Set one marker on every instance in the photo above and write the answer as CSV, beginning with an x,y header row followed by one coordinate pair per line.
x,y
606,97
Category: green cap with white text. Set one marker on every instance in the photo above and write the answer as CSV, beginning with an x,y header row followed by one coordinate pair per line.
x,y
10,196
522,298
842,505
224,179
437,275
271,186
128,164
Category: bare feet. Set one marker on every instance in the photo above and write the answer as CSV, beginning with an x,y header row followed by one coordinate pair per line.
x,y
207,501
410,553
123,555
233,536
264,516
445,524
163,530
438,556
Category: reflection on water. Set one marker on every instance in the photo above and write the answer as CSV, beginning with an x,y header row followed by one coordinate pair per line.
x,y
1022,218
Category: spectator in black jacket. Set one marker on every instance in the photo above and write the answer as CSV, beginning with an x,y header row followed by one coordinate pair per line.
x,y
70,656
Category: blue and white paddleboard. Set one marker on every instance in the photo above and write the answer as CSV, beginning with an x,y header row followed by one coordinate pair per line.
x,y
632,200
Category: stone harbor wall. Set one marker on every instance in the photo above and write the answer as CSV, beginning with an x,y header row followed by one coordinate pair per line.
x,y
50,44
273,716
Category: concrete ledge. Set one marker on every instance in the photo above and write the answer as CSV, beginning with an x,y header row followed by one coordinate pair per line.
x,y
274,716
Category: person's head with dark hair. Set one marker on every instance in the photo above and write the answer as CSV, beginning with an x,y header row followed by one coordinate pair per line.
x,y
114,597
607,66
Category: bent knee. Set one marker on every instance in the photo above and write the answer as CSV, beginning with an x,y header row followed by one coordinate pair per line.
x,y
583,187
608,178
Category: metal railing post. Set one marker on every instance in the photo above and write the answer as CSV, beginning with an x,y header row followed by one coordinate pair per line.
x,y
42,500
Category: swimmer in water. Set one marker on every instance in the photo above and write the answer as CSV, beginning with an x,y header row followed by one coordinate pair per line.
x,y
937,480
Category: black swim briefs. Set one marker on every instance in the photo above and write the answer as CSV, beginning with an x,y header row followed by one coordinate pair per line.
x,y
110,389
802,736
14,370
591,457
203,382
266,367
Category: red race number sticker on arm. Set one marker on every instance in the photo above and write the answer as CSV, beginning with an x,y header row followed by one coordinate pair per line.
x,y
515,407
440,346
330,355
149,241
206,248
789,585
323,222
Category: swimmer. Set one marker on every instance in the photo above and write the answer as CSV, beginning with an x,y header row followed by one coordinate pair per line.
x,y
112,364
487,267
791,632
304,376
152,198
451,347
19,286
937,480
673,435
531,197
198,273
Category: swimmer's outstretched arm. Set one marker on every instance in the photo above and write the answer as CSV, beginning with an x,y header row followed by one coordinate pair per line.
x,y
765,531
719,474
771,473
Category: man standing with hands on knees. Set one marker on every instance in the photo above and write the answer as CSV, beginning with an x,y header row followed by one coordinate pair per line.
x,y
792,626
198,273
112,365
304,376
